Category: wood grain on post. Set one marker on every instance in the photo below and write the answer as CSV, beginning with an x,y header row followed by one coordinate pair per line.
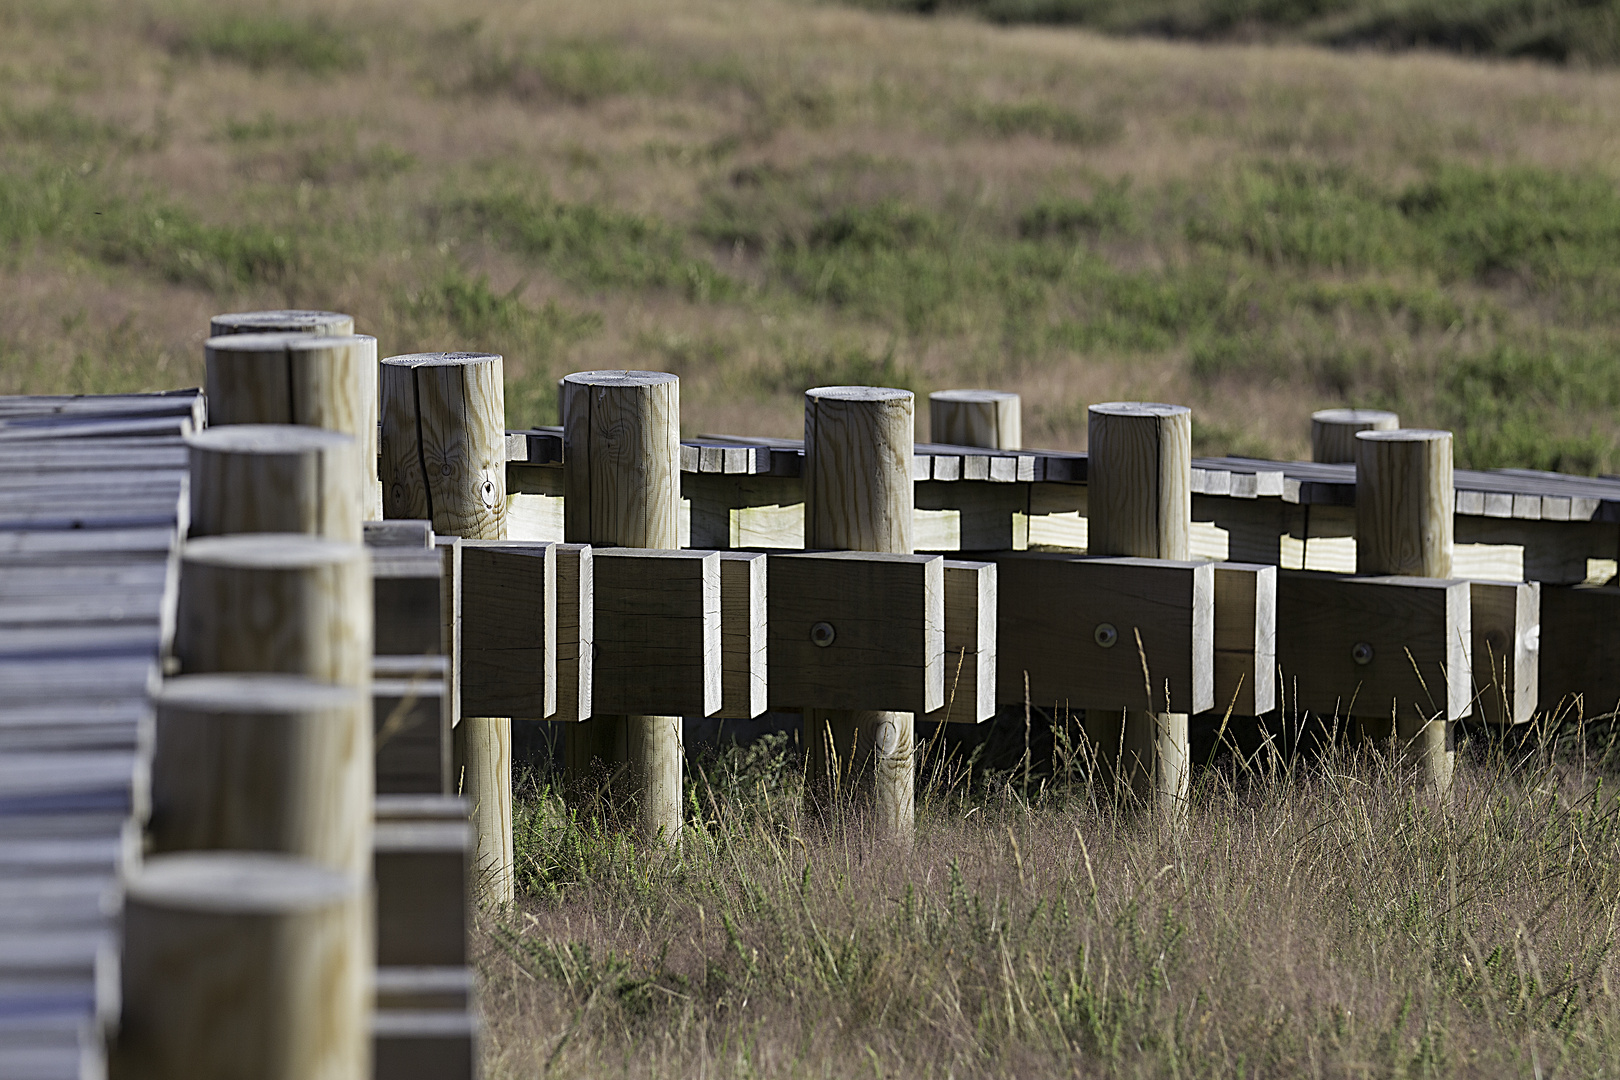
x,y
275,478
1333,432
297,605
309,379
1405,499
245,965
271,763
988,418
1139,499
621,439
858,496
444,442
444,460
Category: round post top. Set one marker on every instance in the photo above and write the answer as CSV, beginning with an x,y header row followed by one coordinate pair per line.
x,y
1404,435
255,693
1138,408
972,395
295,320
238,883
618,377
858,393
270,551
1382,417
440,359
266,439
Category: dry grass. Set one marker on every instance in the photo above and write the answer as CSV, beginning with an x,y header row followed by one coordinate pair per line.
x,y
1314,920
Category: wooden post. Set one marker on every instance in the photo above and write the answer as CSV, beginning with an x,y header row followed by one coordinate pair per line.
x,y
264,763
1405,499
290,378
273,478
245,965
444,460
621,441
328,323
1333,432
295,605
858,496
1139,499
988,418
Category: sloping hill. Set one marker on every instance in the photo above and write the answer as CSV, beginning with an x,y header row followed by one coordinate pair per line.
x,y
764,195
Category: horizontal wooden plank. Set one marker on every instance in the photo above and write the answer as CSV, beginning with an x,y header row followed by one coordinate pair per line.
x,y
1374,646
1506,626
1580,650
508,629
657,632
1245,638
857,630
1072,625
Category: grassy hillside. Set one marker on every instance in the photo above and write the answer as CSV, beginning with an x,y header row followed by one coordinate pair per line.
x,y
762,195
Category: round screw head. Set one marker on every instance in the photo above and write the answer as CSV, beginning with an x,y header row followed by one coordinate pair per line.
x,y
1105,635
822,633
1361,652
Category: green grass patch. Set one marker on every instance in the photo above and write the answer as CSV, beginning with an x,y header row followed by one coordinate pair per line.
x,y
262,41
577,72
589,245
1044,120
75,209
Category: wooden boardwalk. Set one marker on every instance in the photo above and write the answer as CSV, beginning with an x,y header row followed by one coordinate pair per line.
x,y
93,503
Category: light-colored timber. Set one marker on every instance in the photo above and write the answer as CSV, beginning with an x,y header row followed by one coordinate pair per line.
x,y
971,598
859,496
743,635
1333,432
1405,495
275,478
310,379
1245,639
1506,620
444,442
407,599
621,434
245,965
1139,504
297,605
324,323
264,763
444,461
989,418
576,631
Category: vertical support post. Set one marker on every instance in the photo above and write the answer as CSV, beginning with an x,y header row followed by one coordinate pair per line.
x,y
1405,499
1139,499
621,439
988,418
261,762
245,965
1333,432
272,478
444,459
300,378
858,496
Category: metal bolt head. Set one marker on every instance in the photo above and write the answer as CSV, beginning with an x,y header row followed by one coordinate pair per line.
x,y
1361,653
823,634
1105,635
